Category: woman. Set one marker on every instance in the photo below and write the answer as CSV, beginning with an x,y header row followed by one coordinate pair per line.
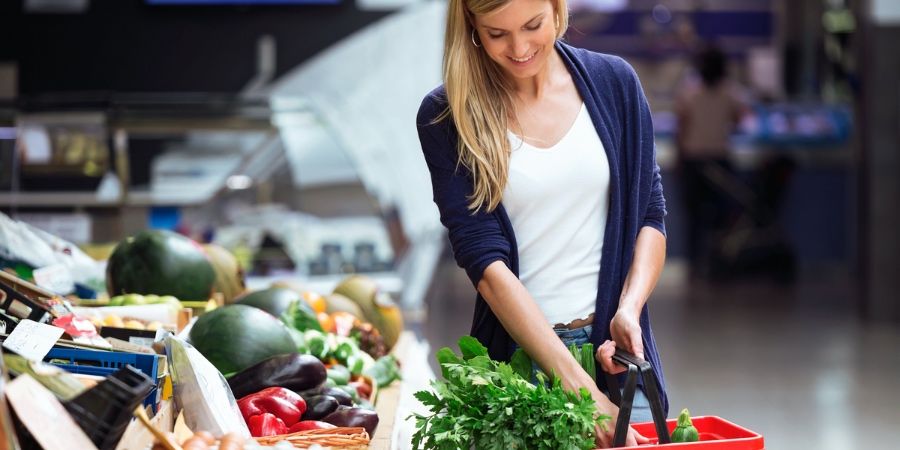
x,y
562,136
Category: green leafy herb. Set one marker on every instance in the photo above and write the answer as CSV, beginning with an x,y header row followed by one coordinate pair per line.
x,y
487,404
300,316
384,371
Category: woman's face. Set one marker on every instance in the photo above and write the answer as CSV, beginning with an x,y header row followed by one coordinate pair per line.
x,y
519,36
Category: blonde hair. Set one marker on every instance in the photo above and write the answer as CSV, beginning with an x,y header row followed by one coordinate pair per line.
x,y
480,99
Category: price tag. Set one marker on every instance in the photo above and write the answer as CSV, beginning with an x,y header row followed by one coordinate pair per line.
x,y
32,340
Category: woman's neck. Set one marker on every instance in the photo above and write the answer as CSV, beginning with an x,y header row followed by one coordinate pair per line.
x,y
534,88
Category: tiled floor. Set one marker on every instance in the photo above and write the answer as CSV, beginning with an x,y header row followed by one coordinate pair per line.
x,y
792,363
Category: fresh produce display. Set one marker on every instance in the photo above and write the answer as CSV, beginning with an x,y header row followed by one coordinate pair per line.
x,y
229,274
291,370
486,404
160,262
235,337
292,381
684,430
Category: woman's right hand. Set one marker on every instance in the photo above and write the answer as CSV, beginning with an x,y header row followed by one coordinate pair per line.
x,y
605,436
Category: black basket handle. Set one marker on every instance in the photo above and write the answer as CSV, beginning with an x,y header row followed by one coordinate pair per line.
x,y
624,400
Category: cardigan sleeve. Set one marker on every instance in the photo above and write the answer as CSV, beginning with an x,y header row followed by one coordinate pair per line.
x,y
476,238
650,179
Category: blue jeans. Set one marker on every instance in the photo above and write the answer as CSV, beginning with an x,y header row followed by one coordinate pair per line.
x,y
640,409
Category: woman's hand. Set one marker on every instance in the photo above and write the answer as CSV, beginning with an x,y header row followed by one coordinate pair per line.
x,y
625,329
626,334
605,436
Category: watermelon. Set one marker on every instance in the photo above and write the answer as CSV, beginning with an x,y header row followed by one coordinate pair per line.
x,y
235,337
274,300
160,262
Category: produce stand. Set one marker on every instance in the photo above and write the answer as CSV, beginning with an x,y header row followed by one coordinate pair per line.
x,y
96,351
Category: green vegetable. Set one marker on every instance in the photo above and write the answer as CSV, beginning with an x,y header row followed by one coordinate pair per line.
x,y
235,337
384,371
487,404
339,374
685,431
160,262
584,355
317,343
299,315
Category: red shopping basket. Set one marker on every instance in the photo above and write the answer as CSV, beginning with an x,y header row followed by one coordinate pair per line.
x,y
715,433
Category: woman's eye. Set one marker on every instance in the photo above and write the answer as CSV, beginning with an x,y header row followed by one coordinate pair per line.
x,y
495,36
534,27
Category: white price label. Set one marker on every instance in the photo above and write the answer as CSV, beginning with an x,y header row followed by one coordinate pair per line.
x,y
32,340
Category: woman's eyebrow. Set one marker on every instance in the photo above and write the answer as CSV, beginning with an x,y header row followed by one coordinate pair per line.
x,y
526,23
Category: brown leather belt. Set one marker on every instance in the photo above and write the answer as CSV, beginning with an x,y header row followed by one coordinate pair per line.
x,y
575,324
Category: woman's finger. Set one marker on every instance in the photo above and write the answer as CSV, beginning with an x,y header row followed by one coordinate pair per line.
x,y
604,356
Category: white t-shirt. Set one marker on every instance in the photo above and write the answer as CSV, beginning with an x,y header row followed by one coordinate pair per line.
x,y
557,200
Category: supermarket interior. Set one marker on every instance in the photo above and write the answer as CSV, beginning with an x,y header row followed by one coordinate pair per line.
x,y
203,202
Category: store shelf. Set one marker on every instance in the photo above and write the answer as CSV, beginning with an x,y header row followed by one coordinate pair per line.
x,y
51,199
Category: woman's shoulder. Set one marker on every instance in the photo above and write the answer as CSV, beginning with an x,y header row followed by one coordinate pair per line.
x,y
603,67
433,106
603,62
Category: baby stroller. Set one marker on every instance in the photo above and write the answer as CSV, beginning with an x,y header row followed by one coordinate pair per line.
x,y
751,240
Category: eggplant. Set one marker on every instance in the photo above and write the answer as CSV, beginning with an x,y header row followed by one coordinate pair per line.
x,y
320,406
343,398
292,371
353,417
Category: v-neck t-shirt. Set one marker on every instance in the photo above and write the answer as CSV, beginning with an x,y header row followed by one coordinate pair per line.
x,y
557,200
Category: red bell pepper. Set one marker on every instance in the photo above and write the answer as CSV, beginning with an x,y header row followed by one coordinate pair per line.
x,y
266,425
304,425
285,406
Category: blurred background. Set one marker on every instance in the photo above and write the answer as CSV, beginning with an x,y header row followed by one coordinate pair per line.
x,y
283,130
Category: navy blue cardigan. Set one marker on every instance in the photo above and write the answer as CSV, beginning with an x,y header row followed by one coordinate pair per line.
x,y
620,113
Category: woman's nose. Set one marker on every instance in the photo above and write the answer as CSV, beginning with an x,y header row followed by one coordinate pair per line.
x,y
520,46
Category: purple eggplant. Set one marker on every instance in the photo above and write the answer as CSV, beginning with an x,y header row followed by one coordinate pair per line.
x,y
291,371
319,406
354,417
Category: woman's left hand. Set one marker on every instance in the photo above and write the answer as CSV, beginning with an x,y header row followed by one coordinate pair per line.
x,y
625,329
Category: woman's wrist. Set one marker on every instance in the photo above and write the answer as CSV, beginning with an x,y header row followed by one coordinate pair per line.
x,y
630,306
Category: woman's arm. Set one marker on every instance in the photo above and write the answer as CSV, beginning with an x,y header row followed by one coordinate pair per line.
x,y
625,327
524,321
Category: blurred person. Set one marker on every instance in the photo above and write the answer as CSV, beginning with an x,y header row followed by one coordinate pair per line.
x,y
544,172
708,112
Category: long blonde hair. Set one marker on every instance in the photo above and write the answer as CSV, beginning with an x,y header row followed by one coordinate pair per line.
x,y
480,99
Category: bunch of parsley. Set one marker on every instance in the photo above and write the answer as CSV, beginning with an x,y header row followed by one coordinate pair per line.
x,y
485,404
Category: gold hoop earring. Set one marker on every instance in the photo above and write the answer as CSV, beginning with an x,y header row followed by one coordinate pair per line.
x,y
473,38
